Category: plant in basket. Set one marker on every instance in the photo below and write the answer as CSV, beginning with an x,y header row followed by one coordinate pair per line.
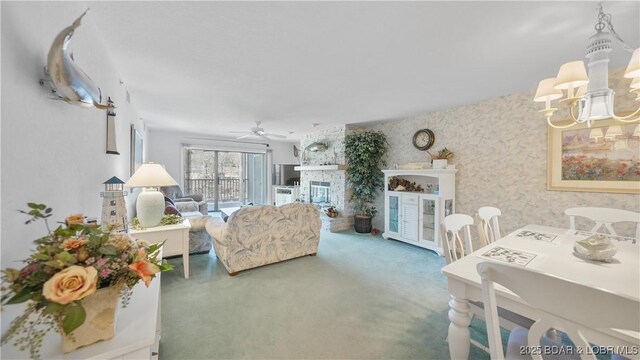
x,y
69,266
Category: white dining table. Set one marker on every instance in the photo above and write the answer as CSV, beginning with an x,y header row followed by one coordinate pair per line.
x,y
549,250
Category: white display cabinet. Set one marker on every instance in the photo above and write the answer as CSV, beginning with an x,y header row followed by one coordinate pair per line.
x,y
416,217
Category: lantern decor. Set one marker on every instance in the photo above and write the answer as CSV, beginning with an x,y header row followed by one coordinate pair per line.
x,y
114,209
112,147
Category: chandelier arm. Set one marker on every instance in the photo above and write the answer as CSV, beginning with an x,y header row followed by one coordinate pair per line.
x,y
573,116
559,127
627,118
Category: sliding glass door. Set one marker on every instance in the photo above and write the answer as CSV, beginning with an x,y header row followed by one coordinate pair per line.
x,y
225,178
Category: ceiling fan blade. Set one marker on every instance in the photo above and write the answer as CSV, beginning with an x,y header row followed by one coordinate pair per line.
x,y
241,132
244,136
262,136
276,136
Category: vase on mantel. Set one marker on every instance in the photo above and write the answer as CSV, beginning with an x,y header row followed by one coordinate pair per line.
x,y
440,163
100,322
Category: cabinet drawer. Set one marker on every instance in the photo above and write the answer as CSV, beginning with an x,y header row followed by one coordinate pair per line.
x,y
410,199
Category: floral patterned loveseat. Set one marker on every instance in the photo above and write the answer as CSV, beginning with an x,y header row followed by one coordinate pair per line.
x,y
263,234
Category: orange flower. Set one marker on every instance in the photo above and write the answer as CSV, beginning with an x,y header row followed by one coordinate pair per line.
x,y
75,219
70,284
73,243
145,270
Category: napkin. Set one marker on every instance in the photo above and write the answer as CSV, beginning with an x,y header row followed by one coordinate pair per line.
x,y
596,247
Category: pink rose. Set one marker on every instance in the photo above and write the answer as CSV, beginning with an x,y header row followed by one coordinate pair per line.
x,y
145,269
70,284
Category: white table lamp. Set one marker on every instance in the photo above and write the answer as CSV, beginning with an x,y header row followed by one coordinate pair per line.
x,y
150,203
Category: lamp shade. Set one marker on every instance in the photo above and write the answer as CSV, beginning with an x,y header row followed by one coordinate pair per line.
x,y
571,75
150,175
613,131
547,91
633,69
596,133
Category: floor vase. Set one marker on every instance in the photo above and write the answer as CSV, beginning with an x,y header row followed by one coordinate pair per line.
x,y
100,321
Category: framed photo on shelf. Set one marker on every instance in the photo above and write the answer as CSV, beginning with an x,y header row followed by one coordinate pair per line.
x,y
602,158
136,149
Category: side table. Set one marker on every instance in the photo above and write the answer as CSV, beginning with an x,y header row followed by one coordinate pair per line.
x,y
176,238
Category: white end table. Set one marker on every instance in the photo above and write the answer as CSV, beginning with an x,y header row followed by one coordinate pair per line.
x,y
176,238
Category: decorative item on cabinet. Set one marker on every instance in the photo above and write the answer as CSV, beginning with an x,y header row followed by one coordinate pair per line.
x,y
399,184
70,265
114,208
441,158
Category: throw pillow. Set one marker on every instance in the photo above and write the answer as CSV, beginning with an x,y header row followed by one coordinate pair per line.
x,y
171,209
166,199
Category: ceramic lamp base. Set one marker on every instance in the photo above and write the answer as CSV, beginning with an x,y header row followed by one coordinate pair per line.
x,y
150,207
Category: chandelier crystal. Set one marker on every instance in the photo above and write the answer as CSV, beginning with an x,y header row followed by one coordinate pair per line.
x,y
590,92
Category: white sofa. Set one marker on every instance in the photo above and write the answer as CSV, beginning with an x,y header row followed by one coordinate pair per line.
x,y
263,234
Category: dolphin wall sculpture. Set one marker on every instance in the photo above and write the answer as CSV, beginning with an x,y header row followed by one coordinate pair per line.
x,y
69,81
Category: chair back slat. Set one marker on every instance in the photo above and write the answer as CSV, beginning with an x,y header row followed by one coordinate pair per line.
x,y
488,225
455,245
603,218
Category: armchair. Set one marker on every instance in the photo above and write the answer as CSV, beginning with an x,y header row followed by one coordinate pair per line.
x,y
182,201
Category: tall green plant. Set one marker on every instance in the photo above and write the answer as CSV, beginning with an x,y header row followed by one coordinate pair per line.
x,y
366,155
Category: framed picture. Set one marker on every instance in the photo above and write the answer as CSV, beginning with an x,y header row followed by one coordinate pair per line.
x,y
136,149
602,158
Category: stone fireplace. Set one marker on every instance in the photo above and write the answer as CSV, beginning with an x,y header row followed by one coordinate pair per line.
x,y
323,177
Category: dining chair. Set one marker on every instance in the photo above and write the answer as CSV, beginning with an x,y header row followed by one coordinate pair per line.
x,y
488,226
556,307
603,217
456,246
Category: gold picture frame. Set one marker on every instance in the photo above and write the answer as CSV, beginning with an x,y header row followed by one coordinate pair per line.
x,y
602,158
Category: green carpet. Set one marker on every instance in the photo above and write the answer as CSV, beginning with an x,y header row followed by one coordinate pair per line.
x,y
361,297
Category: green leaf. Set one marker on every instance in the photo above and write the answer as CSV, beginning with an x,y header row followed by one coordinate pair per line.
x,y
53,308
41,256
66,257
108,250
22,296
74,316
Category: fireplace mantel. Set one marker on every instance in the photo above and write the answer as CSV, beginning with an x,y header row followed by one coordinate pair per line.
x,y
320,167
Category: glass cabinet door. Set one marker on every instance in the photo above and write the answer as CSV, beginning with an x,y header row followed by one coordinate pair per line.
x,y
429,219
394,212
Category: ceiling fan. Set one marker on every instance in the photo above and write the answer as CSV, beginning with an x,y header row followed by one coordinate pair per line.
x,y
257,131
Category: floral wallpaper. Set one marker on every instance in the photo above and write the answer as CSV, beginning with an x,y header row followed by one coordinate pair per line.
x,y
500,148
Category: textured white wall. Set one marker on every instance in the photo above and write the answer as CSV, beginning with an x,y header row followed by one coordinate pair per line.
x,y
500,148
53,152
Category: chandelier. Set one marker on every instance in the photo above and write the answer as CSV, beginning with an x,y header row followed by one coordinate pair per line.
x,y
590,94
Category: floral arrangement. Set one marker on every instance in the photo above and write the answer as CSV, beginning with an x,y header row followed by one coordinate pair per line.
x,y
69,264
168,219
443,154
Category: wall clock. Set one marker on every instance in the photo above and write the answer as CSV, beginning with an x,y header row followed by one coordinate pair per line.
x,y
423,139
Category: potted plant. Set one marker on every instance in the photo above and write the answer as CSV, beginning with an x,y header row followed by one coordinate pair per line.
x,y
73,280
441,158
366,155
